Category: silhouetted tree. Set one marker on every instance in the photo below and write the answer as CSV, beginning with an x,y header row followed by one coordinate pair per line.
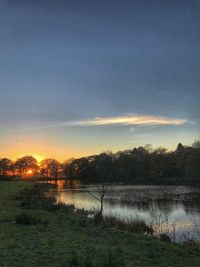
x,y
13,168
196,144
101,192
139,165
5,166
49,168
180,148
25,164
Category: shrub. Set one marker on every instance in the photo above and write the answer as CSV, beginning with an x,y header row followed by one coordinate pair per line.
x,y
35,197
61,207
98,218
84,212
132,225
193,244
165,238
82,222
28,219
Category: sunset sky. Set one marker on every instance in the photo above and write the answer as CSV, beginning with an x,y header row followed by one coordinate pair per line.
x,y
82,77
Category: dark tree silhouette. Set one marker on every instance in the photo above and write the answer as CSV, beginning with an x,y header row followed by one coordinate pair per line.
x,y
101,192
5,166
139,165
26,163
49,168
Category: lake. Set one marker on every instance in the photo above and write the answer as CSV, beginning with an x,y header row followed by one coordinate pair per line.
x,y
174,210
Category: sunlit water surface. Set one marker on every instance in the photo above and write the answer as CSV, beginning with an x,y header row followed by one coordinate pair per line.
x,y
174,210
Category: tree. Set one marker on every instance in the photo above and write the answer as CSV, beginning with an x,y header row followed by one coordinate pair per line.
x,y
49,168
160,150
196,144
139,165
103,164
102,189
104,167
13,168
180,148
5,166
26,163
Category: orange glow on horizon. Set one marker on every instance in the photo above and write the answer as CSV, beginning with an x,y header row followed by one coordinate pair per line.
x,y
42,153
38,157
57,149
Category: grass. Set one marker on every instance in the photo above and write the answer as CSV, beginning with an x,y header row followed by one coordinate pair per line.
x,y
58,236
134,225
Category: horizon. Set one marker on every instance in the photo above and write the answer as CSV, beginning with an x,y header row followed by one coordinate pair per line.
x,y
39,158
81,78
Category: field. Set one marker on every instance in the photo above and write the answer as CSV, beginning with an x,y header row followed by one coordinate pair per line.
x,y
40,235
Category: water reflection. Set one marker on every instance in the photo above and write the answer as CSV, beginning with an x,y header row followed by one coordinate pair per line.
x,y
61,184
168,208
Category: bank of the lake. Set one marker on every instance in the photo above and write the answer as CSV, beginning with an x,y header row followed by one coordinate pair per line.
x,y
69,239
171,210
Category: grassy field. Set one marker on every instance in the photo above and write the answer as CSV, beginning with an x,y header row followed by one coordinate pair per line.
x,y
61,237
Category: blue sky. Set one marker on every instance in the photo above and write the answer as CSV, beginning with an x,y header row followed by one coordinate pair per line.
x,y
63,63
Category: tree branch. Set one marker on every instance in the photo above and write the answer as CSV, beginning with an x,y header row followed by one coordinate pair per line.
x,y
94,196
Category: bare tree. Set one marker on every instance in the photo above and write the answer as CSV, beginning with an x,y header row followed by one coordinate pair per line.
x,y
102,189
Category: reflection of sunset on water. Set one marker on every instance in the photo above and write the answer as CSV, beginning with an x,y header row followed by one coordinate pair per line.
x,y
61,184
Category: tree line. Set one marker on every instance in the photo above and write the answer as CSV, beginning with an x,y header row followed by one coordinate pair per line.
x,y
28,166
138,165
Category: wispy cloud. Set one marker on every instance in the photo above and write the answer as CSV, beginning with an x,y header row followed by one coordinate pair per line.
x,y
133,119
125,119
19,143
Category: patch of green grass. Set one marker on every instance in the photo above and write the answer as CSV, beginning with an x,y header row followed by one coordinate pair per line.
x,y
27,219
72,239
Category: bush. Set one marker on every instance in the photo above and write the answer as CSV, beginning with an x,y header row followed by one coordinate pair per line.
x,y
193,244
60,207
28,219
98,218
84,212
133,225
165,238
35,197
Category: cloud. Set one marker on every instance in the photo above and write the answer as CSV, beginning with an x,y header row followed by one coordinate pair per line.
x,y
123,120
132,119
19,143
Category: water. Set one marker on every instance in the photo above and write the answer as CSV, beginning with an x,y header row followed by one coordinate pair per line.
x,y
174,210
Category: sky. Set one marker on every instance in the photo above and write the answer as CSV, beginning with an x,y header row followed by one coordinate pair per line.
x,y
81,77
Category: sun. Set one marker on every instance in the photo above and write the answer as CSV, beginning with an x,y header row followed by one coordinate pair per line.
x,y
29,172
